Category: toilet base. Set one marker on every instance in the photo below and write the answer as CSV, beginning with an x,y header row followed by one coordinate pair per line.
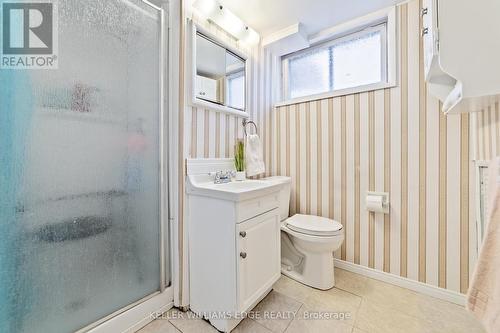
x,y
318,272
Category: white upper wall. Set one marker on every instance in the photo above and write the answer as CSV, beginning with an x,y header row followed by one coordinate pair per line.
x,y
267,16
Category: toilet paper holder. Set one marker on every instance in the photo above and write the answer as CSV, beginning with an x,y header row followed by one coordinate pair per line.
x,y
377,202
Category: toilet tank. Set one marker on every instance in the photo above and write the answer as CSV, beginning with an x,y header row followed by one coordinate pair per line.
x,y
284,195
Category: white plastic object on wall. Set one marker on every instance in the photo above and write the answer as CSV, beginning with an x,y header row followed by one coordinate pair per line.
x,y
461,52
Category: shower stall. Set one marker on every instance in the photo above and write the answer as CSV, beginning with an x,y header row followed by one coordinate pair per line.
x,y
84,236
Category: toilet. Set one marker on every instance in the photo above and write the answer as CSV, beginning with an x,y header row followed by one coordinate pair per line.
x,y
307,243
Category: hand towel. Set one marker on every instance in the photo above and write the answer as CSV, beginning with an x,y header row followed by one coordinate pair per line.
x,y
483,298
253,156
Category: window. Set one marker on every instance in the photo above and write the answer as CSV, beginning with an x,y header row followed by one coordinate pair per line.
x,y
236,90
356,60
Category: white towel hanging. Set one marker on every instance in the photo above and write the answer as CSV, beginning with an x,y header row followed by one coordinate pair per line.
x,y
254,156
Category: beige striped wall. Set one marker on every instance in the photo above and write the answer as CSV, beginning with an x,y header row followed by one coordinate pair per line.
x,y
394,140
487,126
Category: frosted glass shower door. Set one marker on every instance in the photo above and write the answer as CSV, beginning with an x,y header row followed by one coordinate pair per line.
x,y
80,163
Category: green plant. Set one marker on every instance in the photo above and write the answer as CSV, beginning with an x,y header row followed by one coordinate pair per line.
x,y
239,155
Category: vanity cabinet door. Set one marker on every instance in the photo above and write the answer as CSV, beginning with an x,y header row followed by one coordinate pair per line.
x,y
259,257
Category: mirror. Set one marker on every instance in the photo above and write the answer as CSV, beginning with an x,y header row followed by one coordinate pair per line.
x,y
220,74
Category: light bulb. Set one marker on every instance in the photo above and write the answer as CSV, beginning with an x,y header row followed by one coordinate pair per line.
x,y
205,7
230,22
224,18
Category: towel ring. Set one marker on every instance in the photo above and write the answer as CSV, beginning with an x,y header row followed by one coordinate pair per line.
x,y
248,122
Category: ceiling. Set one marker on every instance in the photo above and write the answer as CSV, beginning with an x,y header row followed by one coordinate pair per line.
x,y
268,16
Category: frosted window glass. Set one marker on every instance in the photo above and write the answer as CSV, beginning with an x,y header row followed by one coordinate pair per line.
x,y
79,177
349,62
357,62
309,73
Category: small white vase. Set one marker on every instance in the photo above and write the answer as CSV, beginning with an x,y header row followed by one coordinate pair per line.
x,y
240,175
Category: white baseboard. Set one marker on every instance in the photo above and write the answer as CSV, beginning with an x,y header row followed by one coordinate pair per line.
x,y
423,288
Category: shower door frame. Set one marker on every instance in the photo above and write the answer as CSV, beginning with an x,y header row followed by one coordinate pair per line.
x,y
138,314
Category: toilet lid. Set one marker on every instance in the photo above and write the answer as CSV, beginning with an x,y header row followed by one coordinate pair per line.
x,y
314,225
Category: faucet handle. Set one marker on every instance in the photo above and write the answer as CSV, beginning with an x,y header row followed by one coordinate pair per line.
x,y
229,174
223,176
215,175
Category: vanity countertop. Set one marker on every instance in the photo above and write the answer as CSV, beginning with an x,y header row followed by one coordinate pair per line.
x,y
203,185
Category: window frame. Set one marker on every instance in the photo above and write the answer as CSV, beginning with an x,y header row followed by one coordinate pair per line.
x,y
338,34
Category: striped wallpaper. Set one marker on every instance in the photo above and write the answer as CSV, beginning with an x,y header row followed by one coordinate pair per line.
x,y
393,140
487,126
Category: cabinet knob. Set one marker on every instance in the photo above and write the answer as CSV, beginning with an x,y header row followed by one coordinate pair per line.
x,y
424,11
243,255
243,234
425,31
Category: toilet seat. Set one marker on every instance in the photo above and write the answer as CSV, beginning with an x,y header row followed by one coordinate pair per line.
x,y
314,225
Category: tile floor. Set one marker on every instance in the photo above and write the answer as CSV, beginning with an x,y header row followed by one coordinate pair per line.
x,y
368,306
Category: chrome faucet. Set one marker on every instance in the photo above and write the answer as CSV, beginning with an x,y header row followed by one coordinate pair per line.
x,y
223,177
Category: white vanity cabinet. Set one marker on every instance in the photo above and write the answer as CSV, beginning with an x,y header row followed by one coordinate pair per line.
x,y
234,250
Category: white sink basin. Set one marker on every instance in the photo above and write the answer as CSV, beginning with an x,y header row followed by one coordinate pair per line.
x,y
234,191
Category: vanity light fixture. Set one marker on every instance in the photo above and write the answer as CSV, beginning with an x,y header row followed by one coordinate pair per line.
x,y
224,18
